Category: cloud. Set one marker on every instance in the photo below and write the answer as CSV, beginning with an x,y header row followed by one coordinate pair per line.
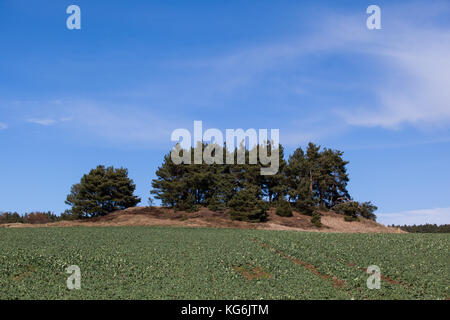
x,y
42,122
410,55
289,77
48,121
3,126
423,216
411,52
420,67
118,124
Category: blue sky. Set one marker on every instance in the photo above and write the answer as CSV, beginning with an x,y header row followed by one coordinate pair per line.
x,y
112,92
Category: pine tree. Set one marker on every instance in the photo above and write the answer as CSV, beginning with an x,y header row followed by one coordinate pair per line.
x,y
284,208
296,175
317,178
367,210
316,219
332,178
102,191
349,209
352,209
308,180
300,183
274,186
169,186
246,205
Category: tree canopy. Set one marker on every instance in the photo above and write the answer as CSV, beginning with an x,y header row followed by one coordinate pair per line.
x,y
101,191
309,179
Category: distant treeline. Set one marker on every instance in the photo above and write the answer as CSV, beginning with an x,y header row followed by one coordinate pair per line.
x,y
425,228
33,217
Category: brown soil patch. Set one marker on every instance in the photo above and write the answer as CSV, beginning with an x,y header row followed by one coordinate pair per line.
x,y
386,279
25,274
159,216
250,273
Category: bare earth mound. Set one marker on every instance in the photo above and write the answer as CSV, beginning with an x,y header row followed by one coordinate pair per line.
x,y
157,216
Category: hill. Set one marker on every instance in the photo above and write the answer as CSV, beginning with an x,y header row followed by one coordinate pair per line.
x,y
158,216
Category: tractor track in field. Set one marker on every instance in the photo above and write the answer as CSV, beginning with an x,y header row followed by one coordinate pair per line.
x,y
384,278
337,283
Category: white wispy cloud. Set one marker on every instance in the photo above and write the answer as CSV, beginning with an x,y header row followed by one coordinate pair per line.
x,y
411,52
42,122
414,70
416,74
102,120
422,216
118,124
3,126
48,121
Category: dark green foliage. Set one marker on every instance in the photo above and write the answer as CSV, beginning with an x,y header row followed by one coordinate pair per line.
x,y
169,185
320,177
284,208
215,204
348,209
425,228
351,218
246,206
366,210
305,205
274,187
304,201
189,186
68,215
352,209
315,219
309,180
102,191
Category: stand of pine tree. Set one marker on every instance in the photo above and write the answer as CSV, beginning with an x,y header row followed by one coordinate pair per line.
x,y
308,180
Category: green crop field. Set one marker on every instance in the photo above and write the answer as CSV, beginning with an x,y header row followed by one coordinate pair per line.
x,y
197,263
